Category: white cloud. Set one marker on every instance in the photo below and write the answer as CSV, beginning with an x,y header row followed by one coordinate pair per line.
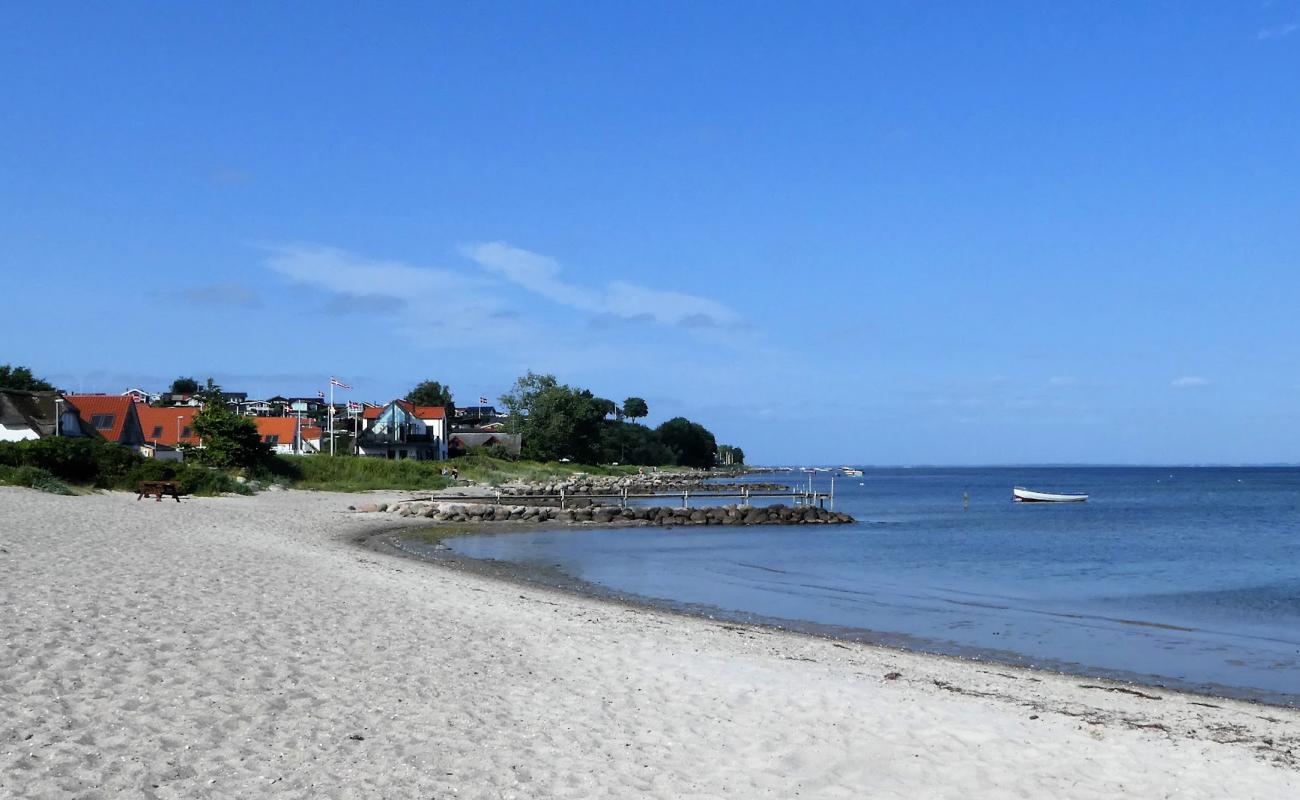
x,y
414,299
1189,382
1278,31
541,275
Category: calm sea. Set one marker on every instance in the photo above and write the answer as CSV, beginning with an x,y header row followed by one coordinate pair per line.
x,y
1186,577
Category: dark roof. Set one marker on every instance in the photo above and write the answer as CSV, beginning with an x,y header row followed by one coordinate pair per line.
x,y
32,409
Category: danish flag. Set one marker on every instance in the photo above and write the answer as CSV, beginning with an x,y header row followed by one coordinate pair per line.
x,y
339,383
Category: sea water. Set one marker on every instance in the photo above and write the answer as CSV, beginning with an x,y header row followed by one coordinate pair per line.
x,y
1186,577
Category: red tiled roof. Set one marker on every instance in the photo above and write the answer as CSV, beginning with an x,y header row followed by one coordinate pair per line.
x,y
419,412
159,424
102,405
283,428
311,432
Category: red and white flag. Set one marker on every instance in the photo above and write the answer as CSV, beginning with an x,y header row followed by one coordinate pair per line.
x,y
321,394
482,401
336,382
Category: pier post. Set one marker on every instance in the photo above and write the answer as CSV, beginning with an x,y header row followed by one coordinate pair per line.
x,y
686,499
561,499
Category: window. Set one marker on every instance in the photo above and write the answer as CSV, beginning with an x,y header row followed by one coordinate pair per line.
x,y
273,438
157,432
185,432
102,422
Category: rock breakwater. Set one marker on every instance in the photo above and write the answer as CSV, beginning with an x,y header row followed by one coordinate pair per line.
x,y
442,511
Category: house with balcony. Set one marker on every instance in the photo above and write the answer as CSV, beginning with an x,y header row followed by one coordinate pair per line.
x,y
402,430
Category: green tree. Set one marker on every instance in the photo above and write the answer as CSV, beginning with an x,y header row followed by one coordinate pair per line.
x,y
229,440
631,443
635,408
526,388
555,421
22,378
432,393
691,443
185,386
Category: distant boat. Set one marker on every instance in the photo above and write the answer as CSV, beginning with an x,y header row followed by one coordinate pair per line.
x,y
852,472
1023,495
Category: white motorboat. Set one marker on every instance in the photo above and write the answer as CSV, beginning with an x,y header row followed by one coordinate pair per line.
x,y
1022,495
852,472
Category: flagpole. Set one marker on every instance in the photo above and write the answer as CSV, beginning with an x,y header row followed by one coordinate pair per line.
x,y
331,416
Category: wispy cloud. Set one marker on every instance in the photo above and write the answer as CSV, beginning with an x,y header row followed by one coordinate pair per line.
x,y
1278,31
215,294
541,275
1189,382
413,299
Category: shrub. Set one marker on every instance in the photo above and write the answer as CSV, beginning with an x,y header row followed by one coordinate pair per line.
x,y
33,478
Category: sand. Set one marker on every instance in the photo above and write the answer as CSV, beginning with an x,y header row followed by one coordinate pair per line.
x,y
247,647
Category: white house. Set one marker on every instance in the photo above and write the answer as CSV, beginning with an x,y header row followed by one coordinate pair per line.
x,y
402,430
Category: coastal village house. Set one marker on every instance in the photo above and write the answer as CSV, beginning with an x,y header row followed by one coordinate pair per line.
x,y
288,435
113,418
168,426
401,430
30,415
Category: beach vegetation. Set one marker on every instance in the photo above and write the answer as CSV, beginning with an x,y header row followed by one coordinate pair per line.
x,y
97,464
33,478
346,473
21,378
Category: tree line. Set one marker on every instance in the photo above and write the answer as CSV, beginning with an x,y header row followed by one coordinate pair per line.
x,y
558,422
555,421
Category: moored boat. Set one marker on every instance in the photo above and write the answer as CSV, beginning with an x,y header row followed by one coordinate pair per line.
x,y
852,472
1022,495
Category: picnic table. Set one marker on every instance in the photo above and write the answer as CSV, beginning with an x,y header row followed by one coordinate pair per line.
x,y
158,488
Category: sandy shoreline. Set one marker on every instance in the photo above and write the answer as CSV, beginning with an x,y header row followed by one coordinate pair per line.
x,y
246,647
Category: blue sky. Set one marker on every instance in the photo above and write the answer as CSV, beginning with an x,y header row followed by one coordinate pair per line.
x,y
887,233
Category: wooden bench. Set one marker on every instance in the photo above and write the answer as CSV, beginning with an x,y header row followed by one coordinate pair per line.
x,y
159,488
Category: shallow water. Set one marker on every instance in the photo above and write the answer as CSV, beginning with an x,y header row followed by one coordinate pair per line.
x,y
1184,577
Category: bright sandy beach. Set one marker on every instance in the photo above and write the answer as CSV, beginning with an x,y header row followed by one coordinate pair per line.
x,y
249,647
